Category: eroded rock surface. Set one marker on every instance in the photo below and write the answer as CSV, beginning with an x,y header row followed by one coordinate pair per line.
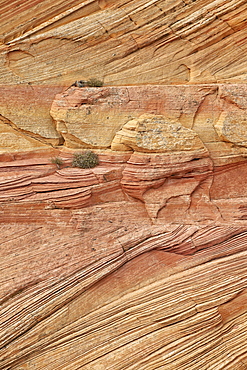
x,y
136,261
124,42
103,118
129,264
156,134
139,263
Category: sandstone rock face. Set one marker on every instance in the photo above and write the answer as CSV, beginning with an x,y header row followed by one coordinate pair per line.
x,y
231,127
124,42
140,262
152,133
26,107
12,138
90,117
129,264
93,117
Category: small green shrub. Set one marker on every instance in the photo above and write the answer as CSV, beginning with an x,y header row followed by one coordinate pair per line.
x,y
93,82
88,159
57,161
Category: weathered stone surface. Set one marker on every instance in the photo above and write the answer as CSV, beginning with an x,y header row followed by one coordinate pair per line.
x,y
232,127
117,265
27,107
12,138
153,133
133,43
124,42
138,263
91,117
112,283
128,264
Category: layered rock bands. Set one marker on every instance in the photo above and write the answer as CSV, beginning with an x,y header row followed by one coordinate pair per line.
x,y
140,262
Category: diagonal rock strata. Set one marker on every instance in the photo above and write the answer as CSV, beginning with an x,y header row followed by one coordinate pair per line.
x,y
146,316
140,262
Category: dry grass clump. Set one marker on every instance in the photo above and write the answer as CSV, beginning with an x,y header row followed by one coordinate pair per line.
x,y
88,159
94,82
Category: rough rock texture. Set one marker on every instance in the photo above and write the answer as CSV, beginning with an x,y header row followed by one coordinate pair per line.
x,y
156,134
139,263
12,138
45,47
91,117
124,41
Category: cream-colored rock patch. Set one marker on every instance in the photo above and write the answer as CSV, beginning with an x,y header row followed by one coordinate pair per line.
x,y
155,133
232,127
90,117
12,139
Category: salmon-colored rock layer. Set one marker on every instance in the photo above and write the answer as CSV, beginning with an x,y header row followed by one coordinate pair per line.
x,y
140,262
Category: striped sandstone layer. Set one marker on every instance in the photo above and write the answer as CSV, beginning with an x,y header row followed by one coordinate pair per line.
x,y
139,263
45,47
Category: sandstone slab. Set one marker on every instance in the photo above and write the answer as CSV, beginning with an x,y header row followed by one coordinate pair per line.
x,y
90,117
132,42
93,117
12,138
153,133
104,280
139,263
231,127
27,107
